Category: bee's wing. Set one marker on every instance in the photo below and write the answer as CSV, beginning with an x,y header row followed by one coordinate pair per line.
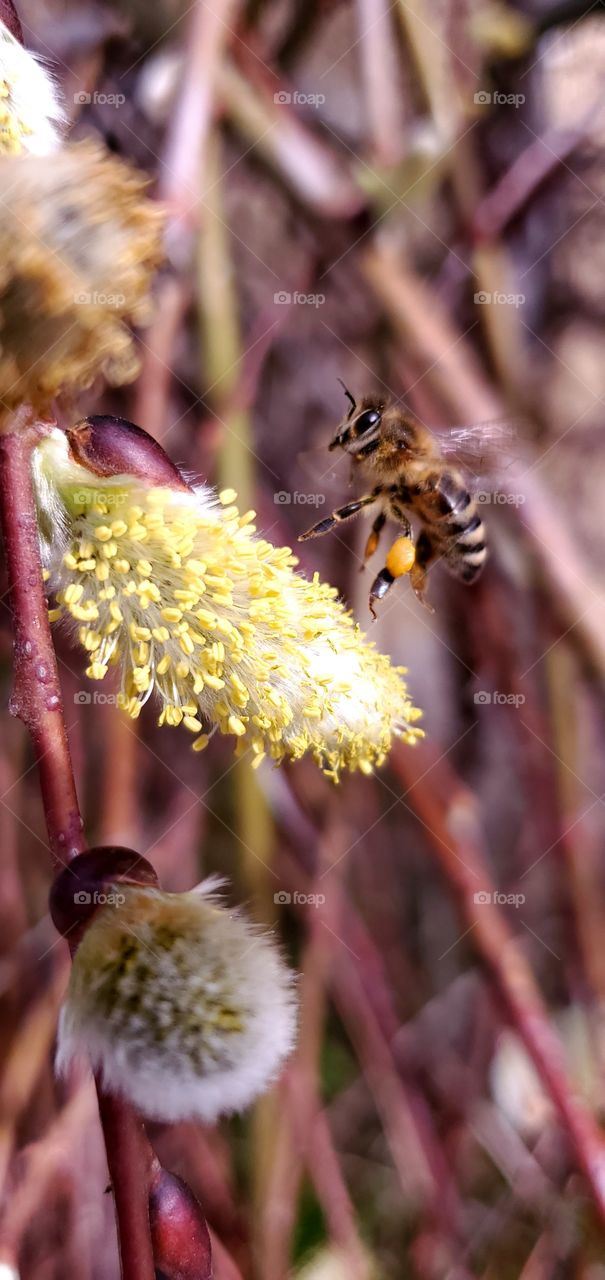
x,y
484,448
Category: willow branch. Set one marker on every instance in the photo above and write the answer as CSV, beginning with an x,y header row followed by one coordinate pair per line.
x,y
36,696
36,699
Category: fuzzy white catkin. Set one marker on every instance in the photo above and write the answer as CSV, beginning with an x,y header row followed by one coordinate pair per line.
x,y
182,1005
31,114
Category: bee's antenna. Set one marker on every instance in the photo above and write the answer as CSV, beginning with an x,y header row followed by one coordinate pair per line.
x,y
349,397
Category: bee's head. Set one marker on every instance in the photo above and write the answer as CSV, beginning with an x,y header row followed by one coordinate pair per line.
x,y
359,431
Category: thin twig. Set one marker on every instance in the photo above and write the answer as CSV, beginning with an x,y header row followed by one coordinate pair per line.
x,y
447,810
513,192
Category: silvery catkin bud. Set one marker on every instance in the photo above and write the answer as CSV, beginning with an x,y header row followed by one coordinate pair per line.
x,y
182,1006
31,114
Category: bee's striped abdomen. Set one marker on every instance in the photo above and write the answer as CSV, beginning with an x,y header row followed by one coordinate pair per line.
x,y
452,521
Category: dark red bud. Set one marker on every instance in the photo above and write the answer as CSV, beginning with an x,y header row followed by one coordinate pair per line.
x,y
181,1243
8,15
113,447
80,889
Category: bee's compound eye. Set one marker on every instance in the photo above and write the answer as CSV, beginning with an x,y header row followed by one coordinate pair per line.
x,y
366,420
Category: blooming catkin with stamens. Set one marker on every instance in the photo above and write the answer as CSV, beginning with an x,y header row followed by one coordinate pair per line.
x,y
79,242
181,1005
175,587
31,115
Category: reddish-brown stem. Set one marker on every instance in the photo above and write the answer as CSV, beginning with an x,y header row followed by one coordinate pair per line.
x,y
447,811
129,1160
36,697
518,185
37,701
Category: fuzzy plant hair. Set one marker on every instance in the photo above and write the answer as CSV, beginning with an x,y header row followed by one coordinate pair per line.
x,y
184,1007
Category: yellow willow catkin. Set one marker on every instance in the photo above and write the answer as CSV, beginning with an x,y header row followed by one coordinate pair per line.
x,y
174,587
79,243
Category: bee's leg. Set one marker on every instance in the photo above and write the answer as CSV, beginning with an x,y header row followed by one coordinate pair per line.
x,y
381,584
401,559
342,513
372,542
425,553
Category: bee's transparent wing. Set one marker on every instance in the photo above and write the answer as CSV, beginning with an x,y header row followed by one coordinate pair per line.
x,y
483,449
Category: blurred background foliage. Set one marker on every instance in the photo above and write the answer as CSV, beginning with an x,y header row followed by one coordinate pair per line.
x,y
347,184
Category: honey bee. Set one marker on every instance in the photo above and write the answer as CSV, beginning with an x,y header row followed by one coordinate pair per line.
x,y
417,474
